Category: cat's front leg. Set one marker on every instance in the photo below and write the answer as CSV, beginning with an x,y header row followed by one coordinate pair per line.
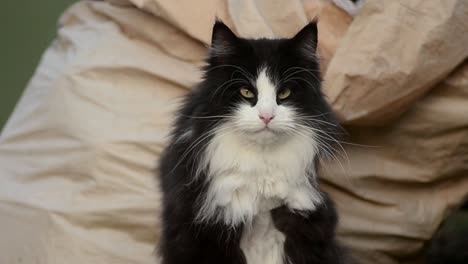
x,y
304,198
310,235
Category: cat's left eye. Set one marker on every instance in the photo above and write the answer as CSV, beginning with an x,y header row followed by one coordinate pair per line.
x,y
285,93
247,93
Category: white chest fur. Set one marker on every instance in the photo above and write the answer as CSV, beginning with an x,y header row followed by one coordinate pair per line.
x,y
262,242
246,179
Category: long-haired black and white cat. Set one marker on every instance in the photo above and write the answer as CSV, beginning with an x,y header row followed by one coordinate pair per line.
x,y
239,177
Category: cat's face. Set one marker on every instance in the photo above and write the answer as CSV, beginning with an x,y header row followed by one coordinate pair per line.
x,y
266,90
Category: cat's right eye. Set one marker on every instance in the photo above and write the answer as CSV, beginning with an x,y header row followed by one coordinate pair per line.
x,y
247,93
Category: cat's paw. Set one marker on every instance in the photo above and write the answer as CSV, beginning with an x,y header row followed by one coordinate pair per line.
x,y
304,200
285,219
272,188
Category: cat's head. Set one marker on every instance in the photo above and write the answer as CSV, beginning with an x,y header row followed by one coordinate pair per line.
x,y
266,89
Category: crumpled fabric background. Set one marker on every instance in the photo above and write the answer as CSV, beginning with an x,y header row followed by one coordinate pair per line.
x,y
78,155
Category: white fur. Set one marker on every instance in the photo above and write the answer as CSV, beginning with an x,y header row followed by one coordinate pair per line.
x,y
246,178
262,242
266,103
252,169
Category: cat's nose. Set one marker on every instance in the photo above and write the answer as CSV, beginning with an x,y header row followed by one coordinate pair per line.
x,y
266,118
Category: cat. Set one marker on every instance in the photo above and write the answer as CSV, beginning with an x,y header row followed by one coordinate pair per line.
x,y
239,175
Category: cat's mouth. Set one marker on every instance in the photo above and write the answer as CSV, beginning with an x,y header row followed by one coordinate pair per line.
x,y
266,129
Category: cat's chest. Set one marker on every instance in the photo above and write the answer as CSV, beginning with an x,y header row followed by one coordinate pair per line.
x,y
261,175
245,180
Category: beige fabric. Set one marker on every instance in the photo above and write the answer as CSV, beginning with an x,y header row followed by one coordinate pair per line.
x,y
393,54
403,179
78,154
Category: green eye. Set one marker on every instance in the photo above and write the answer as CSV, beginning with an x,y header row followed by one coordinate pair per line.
x,y
285,93
247,93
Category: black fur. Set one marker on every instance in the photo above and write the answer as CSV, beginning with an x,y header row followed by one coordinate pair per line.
x,y
310,236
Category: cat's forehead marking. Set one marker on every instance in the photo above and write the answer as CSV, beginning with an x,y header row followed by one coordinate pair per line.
x,y
266,90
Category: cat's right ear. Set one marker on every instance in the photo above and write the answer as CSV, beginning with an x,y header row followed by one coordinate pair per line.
x,y
223,40
306,39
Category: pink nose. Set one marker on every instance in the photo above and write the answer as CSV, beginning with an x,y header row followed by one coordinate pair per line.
x,y
266,118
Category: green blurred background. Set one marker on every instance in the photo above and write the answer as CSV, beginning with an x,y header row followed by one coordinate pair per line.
x,y
27,27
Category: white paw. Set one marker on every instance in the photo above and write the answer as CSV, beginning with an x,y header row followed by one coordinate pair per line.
x,y
304,199
274,189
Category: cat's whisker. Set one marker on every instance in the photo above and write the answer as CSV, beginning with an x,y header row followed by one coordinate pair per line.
x,y
319,139
322,134
329,151
302,79
228,83
302,118
195,143
301,69
314,116
208,117
248,78
310,71
245,72
335,133
218,134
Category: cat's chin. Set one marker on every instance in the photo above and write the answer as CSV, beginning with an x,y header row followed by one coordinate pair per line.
x,y
265,136
265,130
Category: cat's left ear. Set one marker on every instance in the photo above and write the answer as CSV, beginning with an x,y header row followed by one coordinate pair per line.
x,y
223,40
306,40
